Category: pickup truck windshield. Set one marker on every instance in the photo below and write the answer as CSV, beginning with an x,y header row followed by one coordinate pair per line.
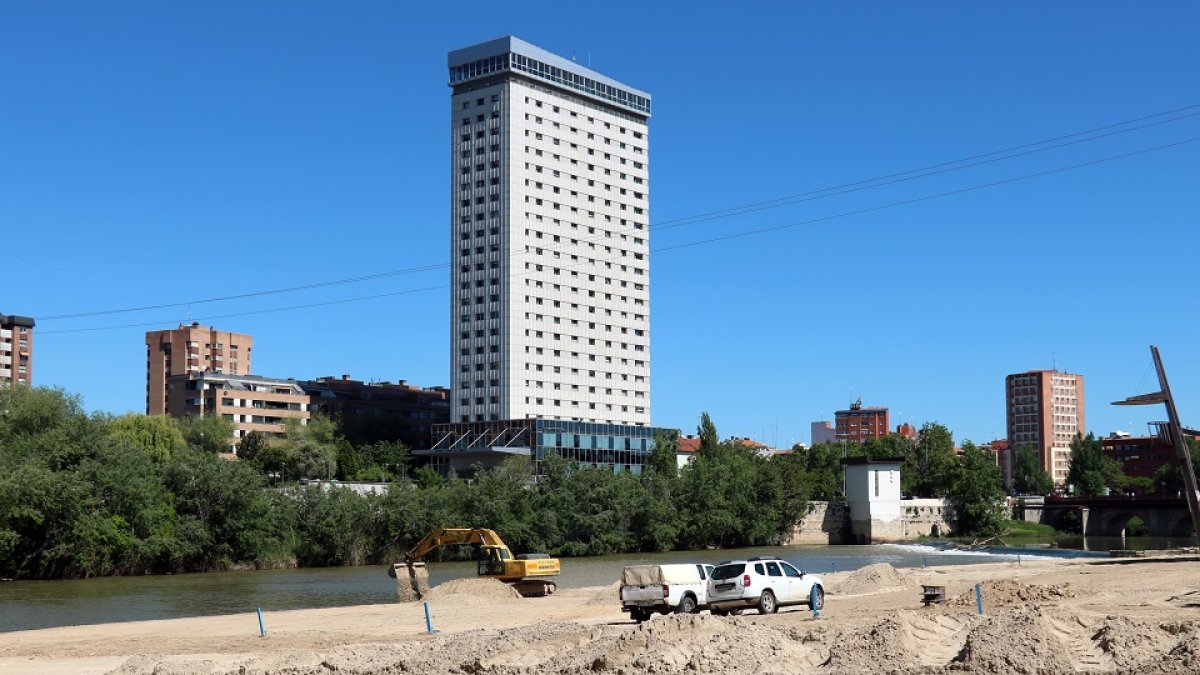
x,y
729,571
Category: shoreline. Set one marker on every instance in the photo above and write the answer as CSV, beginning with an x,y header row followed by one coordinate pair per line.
x,y
366,638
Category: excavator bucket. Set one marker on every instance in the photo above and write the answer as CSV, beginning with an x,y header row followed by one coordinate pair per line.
x,y
412,580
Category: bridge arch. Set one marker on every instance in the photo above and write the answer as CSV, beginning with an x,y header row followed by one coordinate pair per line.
x,y
1182,527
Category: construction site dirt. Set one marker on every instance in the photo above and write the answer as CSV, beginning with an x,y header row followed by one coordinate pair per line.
x,y
1044,616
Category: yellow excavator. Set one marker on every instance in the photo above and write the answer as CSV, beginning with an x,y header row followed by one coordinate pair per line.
x,y
531,574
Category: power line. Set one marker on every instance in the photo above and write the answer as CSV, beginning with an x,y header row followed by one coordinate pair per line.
x,y
972,158
241,296
903,177
812,195
939,195
701,242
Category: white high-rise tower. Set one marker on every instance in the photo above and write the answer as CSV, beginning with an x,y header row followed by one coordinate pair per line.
x,y
550,253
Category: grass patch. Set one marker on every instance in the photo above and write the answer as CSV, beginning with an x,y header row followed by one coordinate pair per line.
x,y
1023,527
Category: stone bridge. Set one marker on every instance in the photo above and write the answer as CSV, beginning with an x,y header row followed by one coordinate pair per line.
x,y
1108,516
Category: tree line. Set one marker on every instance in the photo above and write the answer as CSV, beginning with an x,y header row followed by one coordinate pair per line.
x,y
88,495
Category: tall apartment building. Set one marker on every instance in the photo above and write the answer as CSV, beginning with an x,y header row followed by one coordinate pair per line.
x,y
190,349
858,423
16,350
550,315
1045,409
550,253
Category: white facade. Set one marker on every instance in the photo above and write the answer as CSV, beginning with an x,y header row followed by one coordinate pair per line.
x,y
1064,415
550,247
873,497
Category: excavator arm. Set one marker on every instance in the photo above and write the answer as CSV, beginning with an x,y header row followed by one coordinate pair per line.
x,y
413,577
447,536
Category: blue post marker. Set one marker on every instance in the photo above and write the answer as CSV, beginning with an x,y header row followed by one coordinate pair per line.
x,y
924,563
428,622
812,602
262,629
1018,559
832,567
979,598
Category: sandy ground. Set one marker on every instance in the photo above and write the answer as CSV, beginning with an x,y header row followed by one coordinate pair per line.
x,y
1040,617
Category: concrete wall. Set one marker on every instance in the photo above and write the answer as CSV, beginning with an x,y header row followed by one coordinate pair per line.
x,y
926,517
830,523
826,523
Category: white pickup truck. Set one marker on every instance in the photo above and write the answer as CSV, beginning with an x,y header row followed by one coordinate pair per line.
x,y
650,589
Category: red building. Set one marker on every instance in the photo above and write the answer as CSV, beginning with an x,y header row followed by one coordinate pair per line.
x,y
858,423
1141,456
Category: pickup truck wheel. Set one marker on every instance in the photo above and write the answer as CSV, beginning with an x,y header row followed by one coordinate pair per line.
x,y
767,604
686,606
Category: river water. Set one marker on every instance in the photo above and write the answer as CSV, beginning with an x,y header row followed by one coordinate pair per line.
x,y
41,604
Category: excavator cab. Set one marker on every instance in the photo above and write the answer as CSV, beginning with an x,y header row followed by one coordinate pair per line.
x,y
492,562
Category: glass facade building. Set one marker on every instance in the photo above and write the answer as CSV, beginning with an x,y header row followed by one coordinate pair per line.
x,y
461,446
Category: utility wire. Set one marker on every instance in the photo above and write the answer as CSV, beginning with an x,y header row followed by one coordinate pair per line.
x,y
904,177
701,242
932,167
823,193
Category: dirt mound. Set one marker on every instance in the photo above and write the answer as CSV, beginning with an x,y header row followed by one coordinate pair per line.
x,y
869,579
473,591
610,595
1014,641
875,649
1002,592
689,643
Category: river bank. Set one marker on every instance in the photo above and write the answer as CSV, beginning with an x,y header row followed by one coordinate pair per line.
x,y
26,605
1045,616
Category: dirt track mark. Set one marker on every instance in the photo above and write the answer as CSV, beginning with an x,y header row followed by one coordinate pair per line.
x,y
1079,639
938,638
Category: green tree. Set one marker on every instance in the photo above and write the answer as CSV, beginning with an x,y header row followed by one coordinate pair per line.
x,y
729,497
977,492
1029,475
311,449
655,520
156,436
348,464
384,460
210,433
929,469
225,517
335,526
1090,471
707,431
823,474
48,424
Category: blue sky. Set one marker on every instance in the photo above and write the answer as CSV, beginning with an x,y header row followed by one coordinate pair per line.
x,y
156,153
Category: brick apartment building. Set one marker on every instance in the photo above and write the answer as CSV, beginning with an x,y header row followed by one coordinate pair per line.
x,y
858,423
380,411
1045,408
190,349
1142,456
16,350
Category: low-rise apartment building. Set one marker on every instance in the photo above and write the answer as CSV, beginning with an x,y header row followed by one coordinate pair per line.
x,y
380,411
251,402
